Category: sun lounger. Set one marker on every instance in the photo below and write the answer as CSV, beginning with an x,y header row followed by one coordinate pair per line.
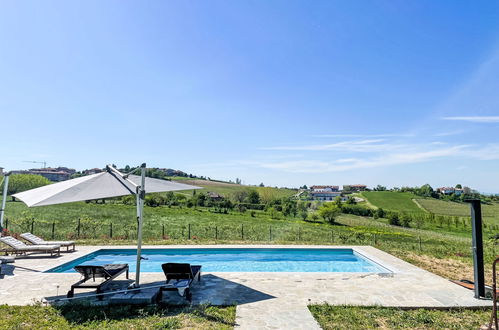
x,y
106,272
18,247
180,277
35,240
7,260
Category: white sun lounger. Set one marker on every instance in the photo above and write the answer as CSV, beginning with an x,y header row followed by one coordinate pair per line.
x,y
35,240
18,247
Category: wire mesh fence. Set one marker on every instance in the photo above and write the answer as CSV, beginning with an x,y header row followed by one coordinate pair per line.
x,y
286,232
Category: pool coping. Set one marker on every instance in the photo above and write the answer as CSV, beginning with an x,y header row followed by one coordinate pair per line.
x,y
391,269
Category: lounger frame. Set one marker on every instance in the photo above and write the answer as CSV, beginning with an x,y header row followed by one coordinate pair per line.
x,y
97,272
177,271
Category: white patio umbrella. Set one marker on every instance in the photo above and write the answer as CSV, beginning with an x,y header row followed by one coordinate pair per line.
x,y
110,183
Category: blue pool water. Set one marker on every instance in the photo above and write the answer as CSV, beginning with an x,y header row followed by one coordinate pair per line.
x,y
235,260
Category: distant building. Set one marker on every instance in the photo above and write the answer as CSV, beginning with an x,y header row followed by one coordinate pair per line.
x,y
52,174
324,193
92,171
354,187
215,196
450,191
325,188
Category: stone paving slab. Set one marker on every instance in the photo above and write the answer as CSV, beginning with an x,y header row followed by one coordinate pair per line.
x,y
264,300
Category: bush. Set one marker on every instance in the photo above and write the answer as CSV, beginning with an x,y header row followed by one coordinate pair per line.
x,y
356,210
329,212
23,182
251,206
393,219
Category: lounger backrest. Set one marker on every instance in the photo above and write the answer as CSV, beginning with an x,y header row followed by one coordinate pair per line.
x,y
12,242
92,271
177,271
33,239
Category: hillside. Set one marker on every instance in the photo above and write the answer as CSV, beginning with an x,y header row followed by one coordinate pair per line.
x,y
394,201
226,189
490,212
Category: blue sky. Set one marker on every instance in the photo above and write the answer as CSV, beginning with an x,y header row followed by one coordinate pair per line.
x,y
281,92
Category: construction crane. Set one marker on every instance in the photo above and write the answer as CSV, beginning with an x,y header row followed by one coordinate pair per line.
x,y
34,161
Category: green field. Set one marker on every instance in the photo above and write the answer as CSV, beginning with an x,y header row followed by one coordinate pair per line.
x,y
116,224
227,189
490,212
394,201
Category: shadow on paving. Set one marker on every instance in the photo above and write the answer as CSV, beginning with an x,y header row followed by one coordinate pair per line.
x,y
212,290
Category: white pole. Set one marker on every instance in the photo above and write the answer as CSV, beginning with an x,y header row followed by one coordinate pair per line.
x,y
140,210
4,199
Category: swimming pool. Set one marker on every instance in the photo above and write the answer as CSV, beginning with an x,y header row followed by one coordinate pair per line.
x,y
235,260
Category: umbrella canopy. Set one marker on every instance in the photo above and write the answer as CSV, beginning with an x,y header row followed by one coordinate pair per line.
x,y
110,183
96,186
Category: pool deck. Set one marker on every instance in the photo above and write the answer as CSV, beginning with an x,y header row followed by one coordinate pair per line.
x,y
264,300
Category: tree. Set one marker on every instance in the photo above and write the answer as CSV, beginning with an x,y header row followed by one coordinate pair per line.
x,y
380,188
379,213
238,181
458,186
23,182
351,200
329,212
337,201
239,196
303,214
426,191
394,219
253,197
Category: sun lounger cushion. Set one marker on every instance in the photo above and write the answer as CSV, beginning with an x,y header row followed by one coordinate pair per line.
x,y
20,246
33,239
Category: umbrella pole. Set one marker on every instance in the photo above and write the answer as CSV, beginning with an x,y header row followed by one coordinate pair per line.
x,y
140,211
4,199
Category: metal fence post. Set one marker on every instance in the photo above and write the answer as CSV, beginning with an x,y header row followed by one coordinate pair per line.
x,y
32,226
111,230
189,236
216,232
78,229
53,230
270,233
163,231
242,232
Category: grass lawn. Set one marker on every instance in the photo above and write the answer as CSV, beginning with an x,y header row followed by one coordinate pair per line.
x,y
391,200
116,317
350,317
